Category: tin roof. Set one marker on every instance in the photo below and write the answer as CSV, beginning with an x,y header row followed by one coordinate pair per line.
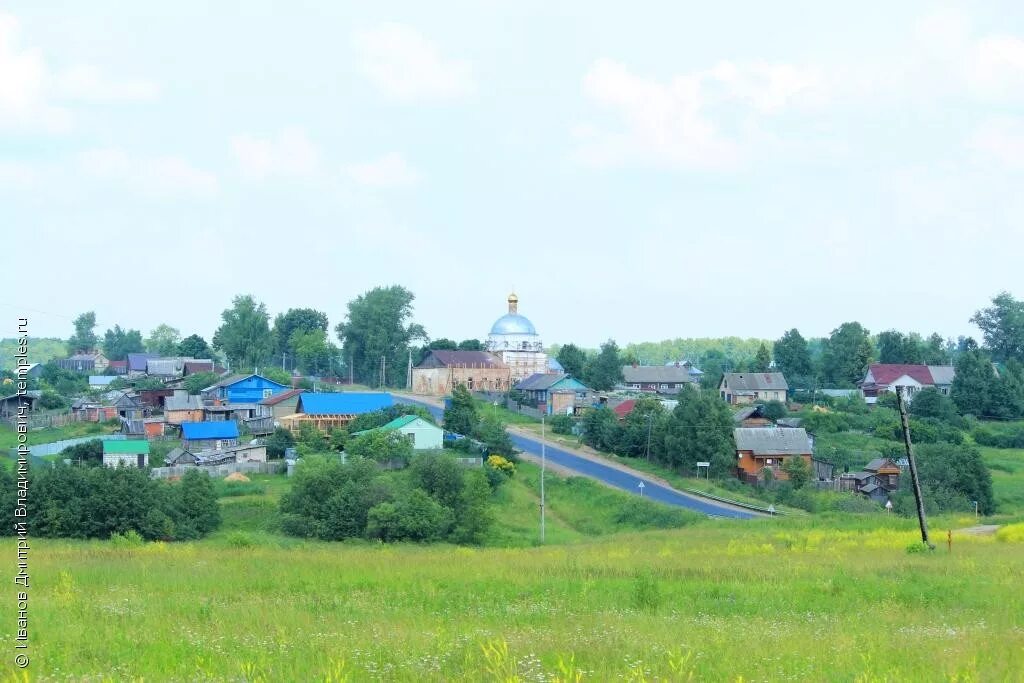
x,y
772,440
756,381
126,446
224,429
343,403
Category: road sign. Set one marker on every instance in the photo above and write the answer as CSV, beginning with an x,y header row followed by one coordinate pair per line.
x,y
641,487
771,510
703,464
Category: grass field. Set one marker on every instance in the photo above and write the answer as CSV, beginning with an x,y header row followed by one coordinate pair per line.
x,y
1007,468
717,600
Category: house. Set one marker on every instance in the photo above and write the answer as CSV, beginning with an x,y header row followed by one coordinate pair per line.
x,y
100,381
743,388
656,379
130,453
137,363
554,394
751,416
118,367
153,427
883,377
328,411
877,480
625,408
165,368
132,412
442,371
762,449
695,372
197,365
32,371
155,398
280,405
9,404
179,456
232,454
424,435
183,407
87,361
209,435
243,389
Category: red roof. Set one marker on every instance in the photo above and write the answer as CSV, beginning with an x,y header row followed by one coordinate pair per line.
x,y
119,364
624,408
887,373
283,396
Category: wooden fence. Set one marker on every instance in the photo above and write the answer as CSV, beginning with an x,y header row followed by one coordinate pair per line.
x,y
219,471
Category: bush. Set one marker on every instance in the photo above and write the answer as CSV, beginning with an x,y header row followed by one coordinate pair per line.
x,y
775,410
51,400
416,518
999,436
562,424
380,446
277,442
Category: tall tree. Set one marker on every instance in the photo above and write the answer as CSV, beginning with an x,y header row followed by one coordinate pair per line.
x,y
194,346
377,332
460,416
793,358
244,336
314,352
118,343
294,320
972,383
84,338
573,359
763,359
890,347
442,344
163,339
935,350
847,354
700,429
1002,327
604,371
471,345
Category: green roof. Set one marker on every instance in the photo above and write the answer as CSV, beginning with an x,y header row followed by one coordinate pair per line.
x,y
397,423
130,446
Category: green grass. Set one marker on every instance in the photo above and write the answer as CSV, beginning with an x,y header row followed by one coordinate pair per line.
x,y
507,416
1007,468
717,600
9,438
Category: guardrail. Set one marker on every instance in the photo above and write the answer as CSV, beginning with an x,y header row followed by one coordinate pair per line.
x,y
737,503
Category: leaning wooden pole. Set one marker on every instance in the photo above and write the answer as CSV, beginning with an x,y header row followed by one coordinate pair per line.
x,y
905,422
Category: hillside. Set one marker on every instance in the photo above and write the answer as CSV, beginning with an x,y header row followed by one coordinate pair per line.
x,y
40,350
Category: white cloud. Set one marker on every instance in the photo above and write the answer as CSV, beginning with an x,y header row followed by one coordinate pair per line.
x,y
391,170
86,83
157,177
405,65
997,66
689,121
289,153
34,97
999,141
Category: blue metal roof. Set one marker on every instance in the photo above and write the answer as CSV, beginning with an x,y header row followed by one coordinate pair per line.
x,y
343,403
225,429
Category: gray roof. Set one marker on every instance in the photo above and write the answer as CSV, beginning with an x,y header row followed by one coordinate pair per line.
x,y
942,374
772,440
540,381
165,366
183,401
756,381
659,374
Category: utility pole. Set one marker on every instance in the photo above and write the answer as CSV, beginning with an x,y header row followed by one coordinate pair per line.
x,y
408,373
904,421
543,467
282,361
650,423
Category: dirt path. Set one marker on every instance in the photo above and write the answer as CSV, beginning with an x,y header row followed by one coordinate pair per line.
x,y
979,530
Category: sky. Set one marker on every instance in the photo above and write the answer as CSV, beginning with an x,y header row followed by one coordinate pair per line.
x,y
666,169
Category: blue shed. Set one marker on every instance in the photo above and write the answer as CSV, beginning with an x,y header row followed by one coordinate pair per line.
x,y
215,435
244,389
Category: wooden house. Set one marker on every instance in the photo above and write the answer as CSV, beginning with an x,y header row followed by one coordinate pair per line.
x,y
183,407
656,379
86,361
554,393
243,389
744,388
217,436
878,480
766,449
751,416
280,405
9,405
327,411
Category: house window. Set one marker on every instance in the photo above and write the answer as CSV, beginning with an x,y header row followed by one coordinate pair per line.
x,y
267,393
663,387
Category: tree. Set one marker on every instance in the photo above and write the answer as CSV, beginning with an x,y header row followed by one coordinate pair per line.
x,y
972,383
699,429
87,453
302,320
797,470
601,429
163,339
280,440
276,374
460,416
763,359
490,431
442,344
380,446
118,343
604,371
84,338
1002,327
198,510
959,470
929,402
244,336
936,350
714,363
377,333
573,359
196,382
471,345
194,346
474,516
847,354
890,347
314,354
776,410
792,356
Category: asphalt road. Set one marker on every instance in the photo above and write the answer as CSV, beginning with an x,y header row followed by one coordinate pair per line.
x,y
612,476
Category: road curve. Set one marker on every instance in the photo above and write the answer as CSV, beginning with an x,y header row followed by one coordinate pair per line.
x,y
612,476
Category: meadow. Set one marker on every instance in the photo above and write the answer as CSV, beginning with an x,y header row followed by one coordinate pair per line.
x,y
813,598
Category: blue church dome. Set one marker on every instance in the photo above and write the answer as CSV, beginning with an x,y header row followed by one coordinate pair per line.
x,y
513,323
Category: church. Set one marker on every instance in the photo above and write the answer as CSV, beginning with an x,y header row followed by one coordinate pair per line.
x,y
515,341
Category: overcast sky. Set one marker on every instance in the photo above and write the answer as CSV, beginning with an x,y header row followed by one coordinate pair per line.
x,y
670,169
